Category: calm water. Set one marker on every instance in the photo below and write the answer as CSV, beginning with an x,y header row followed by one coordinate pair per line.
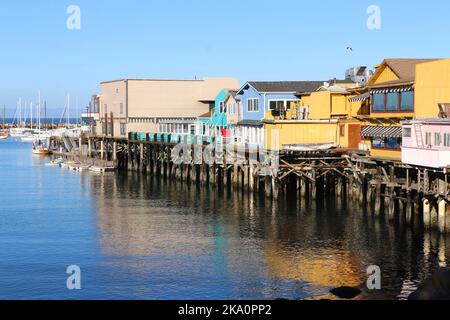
x,y
139,238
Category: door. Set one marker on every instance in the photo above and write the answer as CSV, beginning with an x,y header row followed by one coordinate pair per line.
x,y
354,136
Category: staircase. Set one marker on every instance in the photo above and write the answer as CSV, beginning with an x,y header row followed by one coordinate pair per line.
x,y
423,181
419,135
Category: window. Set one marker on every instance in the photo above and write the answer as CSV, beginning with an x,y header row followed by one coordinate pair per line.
x,y
407,132
392,101
253,105
437,139
123,129
342,130
378,143
378,102
106,108
407,101
428,138
221,107
386,143
280,105
276,105
121,108
303,113
392,143
446,139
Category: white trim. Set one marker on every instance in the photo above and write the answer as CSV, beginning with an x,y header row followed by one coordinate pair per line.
x,y
284,100
242,88
253,111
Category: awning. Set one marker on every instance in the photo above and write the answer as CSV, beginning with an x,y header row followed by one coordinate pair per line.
x,y
381,132
389,90
360,98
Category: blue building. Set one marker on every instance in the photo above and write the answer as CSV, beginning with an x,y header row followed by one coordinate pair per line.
x,y
216,121
263,100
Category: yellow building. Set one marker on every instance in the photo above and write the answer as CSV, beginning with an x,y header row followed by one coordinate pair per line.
x,y
395,97
322,119
432,88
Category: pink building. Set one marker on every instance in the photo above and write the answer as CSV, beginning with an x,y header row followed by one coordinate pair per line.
x,y
426,143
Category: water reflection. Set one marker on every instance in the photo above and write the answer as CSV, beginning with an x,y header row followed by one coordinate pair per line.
x,y
201,243
141,238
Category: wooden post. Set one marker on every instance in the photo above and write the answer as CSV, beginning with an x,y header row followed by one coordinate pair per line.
x,y
141,156
245,182
339,187
377,208
426,213
268,185
302,187
447,220
251,177
313,185
442,216
275,187
362,190
434,217
409,209
102,150
89,147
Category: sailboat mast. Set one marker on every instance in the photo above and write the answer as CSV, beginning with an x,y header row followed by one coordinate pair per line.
x,y
4,116
31,110
68,110
20,112
39,110
76,108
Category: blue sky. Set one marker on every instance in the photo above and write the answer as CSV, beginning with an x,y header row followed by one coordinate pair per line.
x,y
250,40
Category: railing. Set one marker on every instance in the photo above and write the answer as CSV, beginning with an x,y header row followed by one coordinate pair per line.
x,y
172,138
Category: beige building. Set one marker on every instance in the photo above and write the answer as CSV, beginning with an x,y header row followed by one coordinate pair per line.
x,y
141,105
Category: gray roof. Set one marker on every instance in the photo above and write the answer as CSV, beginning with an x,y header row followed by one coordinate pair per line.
x,y
233,93
250,123
286,86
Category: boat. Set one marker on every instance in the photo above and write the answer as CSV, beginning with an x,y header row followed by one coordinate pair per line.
x,y
40,146
28,138
309,147
55,163
99,169
4,134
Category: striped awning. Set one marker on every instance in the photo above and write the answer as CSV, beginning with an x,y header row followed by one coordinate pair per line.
x,y
360,98
381,132
389,90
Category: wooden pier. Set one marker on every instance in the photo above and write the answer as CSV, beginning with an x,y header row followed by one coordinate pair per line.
x,y
410,195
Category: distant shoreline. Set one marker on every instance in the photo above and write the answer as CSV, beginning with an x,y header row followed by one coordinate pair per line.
x,y
57,120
